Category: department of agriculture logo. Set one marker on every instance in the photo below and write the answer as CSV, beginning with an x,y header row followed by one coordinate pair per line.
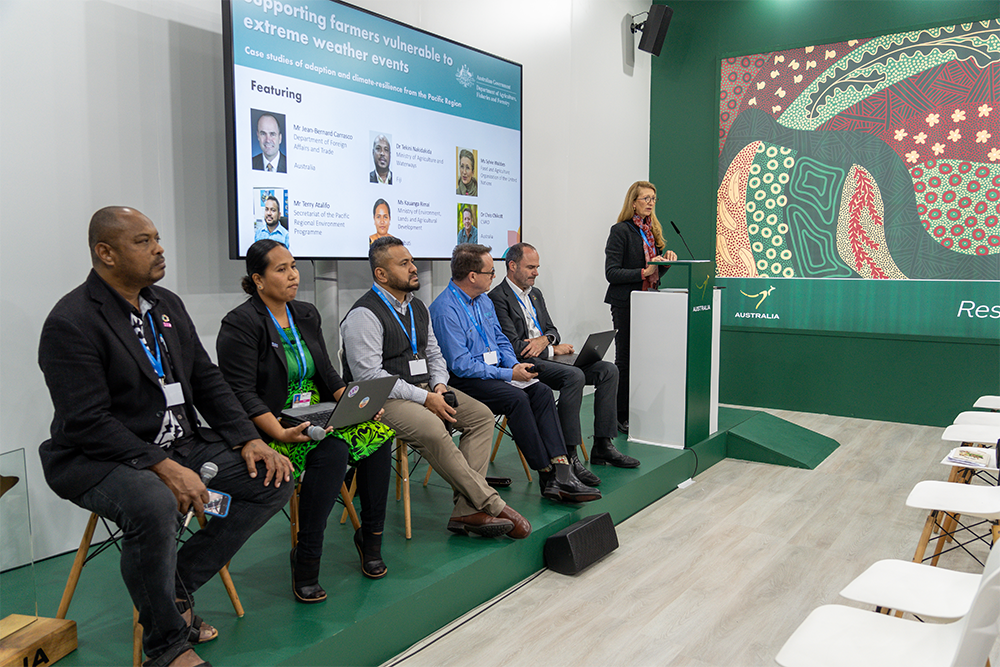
x,y
465,77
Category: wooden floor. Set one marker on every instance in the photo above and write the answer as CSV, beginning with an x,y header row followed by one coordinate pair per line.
x,y
720,573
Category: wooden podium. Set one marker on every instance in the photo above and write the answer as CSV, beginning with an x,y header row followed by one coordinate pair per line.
x,y
674,375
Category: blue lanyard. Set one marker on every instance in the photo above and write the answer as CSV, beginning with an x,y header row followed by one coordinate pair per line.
x,y
413,328
533,315
646,241
479,328
157,361
299,347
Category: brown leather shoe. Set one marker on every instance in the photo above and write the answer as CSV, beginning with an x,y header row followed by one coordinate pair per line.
x,y
481,524
521,526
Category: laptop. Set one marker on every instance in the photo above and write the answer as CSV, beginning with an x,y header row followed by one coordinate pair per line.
x,y
593,350
359,403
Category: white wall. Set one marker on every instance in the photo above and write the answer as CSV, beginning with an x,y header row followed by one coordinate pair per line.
x,y
120,102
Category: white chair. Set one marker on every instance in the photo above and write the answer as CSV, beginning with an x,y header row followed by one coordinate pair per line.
x,y
988,403
947,503
837,636
977,417
921,590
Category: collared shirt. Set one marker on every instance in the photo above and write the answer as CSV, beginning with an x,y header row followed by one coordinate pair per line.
x,y
272,162
280,234
363,334
461,342
530,315
387,179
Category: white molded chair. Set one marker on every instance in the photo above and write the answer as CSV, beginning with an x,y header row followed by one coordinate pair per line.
x,y
947,502
921,590
988,402
837,636
977,417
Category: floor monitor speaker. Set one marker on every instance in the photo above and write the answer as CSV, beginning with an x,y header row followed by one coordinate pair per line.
x,y
579,546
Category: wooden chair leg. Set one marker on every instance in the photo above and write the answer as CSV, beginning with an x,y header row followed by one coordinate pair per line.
x,y
349,500
427,477
949,524
925,536
74,572
347,495
496,444
136,639
583,449
400,456
524,462
404,480
227,580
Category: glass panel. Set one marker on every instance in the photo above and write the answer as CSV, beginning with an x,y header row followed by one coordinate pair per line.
x,y
17,584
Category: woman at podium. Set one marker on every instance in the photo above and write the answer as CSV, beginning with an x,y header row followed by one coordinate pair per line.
x,y
636,239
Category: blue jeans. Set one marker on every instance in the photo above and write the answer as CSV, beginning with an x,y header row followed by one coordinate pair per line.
x,y
155,572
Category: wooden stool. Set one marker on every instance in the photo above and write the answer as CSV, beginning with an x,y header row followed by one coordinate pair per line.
x,y
81,559
402,490
293,511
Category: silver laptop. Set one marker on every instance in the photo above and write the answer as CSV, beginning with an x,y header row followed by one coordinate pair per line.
x,y
592,351
359,403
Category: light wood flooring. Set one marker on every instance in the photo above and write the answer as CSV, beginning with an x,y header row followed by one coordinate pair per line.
x,y
718,574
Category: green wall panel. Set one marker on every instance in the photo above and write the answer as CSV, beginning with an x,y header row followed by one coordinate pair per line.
x,y
895,379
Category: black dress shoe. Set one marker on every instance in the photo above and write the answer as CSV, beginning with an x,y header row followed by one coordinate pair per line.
x,y
305,580
369,548
623,427
499,482
561,485
605,453
582,474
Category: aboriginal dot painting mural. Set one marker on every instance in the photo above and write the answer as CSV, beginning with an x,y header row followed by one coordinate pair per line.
x,y
872,158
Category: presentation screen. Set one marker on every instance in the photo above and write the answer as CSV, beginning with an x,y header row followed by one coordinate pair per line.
x,y
343,126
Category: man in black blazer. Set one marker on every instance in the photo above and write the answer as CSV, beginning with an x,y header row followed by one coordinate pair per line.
x,y
126,371
525,321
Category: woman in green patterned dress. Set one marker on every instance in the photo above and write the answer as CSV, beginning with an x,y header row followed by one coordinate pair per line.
x,y
272,352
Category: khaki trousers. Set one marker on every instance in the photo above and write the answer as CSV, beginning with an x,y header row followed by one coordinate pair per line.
x,y
464,467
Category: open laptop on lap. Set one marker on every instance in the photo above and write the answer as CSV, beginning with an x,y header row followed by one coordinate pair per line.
x,y
359,403
592,351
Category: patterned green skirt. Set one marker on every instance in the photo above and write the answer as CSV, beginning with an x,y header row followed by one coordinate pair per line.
x,y
362,439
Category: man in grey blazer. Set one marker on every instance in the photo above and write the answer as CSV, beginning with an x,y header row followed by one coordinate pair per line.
x,y
126,372
525,320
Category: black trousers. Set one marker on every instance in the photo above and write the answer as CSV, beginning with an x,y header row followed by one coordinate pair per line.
x,y
621,317
531,416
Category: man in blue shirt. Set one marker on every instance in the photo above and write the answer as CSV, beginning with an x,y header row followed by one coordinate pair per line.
x,y
483,365
272,228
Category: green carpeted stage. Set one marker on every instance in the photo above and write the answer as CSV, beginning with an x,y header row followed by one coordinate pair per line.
x,y
433,578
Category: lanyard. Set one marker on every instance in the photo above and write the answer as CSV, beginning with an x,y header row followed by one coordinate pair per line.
x,y
413,328
533,315
479,313
156,361
299,347
646,241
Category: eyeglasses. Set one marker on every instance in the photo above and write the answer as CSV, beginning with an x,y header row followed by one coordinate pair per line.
x,y
649,199
492,273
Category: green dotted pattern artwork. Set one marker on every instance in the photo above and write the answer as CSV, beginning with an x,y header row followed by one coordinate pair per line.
x,y
765,206
958,203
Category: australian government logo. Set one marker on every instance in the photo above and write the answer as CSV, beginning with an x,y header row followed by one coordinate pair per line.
x,y
465,77
754,315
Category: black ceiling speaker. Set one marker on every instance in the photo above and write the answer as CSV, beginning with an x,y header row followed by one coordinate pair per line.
x,y
654,30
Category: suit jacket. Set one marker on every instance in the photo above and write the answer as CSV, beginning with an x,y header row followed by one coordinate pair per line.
x,y
373,177
511,317
252,357
258,162
108,400
624,260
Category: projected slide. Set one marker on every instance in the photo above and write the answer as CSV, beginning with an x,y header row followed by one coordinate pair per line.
x,y
363,127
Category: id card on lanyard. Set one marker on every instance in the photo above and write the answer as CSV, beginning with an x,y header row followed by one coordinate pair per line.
x,y
533,313
418,365
172,392
300,398
490,357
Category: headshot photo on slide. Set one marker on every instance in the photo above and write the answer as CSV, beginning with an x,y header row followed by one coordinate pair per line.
x,y
382,217
268,141
382,158
468,227
466,163
271,215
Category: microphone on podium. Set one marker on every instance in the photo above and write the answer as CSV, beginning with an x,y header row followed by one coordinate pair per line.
x,y
682,238
208,471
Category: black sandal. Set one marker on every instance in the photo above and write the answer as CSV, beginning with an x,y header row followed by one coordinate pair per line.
x,y
370,549
171,654
194,627
305,579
